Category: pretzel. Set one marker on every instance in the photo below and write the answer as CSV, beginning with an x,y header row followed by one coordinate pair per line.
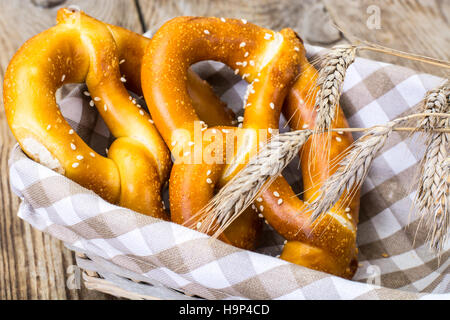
x,y
108,59
267,59
329,244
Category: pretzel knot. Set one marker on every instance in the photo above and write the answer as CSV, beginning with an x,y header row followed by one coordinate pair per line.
x,y
265,58
81,49
278,71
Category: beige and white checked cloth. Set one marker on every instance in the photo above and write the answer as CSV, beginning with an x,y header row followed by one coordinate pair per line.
x,y
395,262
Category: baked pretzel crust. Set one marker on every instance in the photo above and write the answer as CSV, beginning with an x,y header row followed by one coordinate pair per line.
x,y
81,49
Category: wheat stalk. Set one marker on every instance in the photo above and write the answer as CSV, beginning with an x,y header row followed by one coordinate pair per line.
x,y
436,101
431,200
370,46
354,167
329,83
352,170
432,197
240,191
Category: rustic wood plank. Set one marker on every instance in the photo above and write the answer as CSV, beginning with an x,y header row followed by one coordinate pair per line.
x,y
420,27
273,14
34,265
410,25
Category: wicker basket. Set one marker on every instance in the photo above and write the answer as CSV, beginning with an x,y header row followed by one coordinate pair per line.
x,y
103,276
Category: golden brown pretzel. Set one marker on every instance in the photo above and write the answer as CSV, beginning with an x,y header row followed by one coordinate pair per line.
x,y
267,59
329,244
105,57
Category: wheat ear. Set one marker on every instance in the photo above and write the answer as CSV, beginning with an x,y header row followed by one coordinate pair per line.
x,y
436,101
242,190
330,80
432,197
432,201
354,167
352,170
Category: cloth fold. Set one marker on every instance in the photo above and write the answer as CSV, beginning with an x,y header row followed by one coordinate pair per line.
x,y
395,262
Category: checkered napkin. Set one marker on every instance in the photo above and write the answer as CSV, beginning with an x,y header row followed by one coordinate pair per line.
x,y
394,259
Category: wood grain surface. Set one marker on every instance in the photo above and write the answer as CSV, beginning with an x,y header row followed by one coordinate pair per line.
x,y
421,27
34,265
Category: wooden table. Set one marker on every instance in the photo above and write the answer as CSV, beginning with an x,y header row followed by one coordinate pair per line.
x,y
35,266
